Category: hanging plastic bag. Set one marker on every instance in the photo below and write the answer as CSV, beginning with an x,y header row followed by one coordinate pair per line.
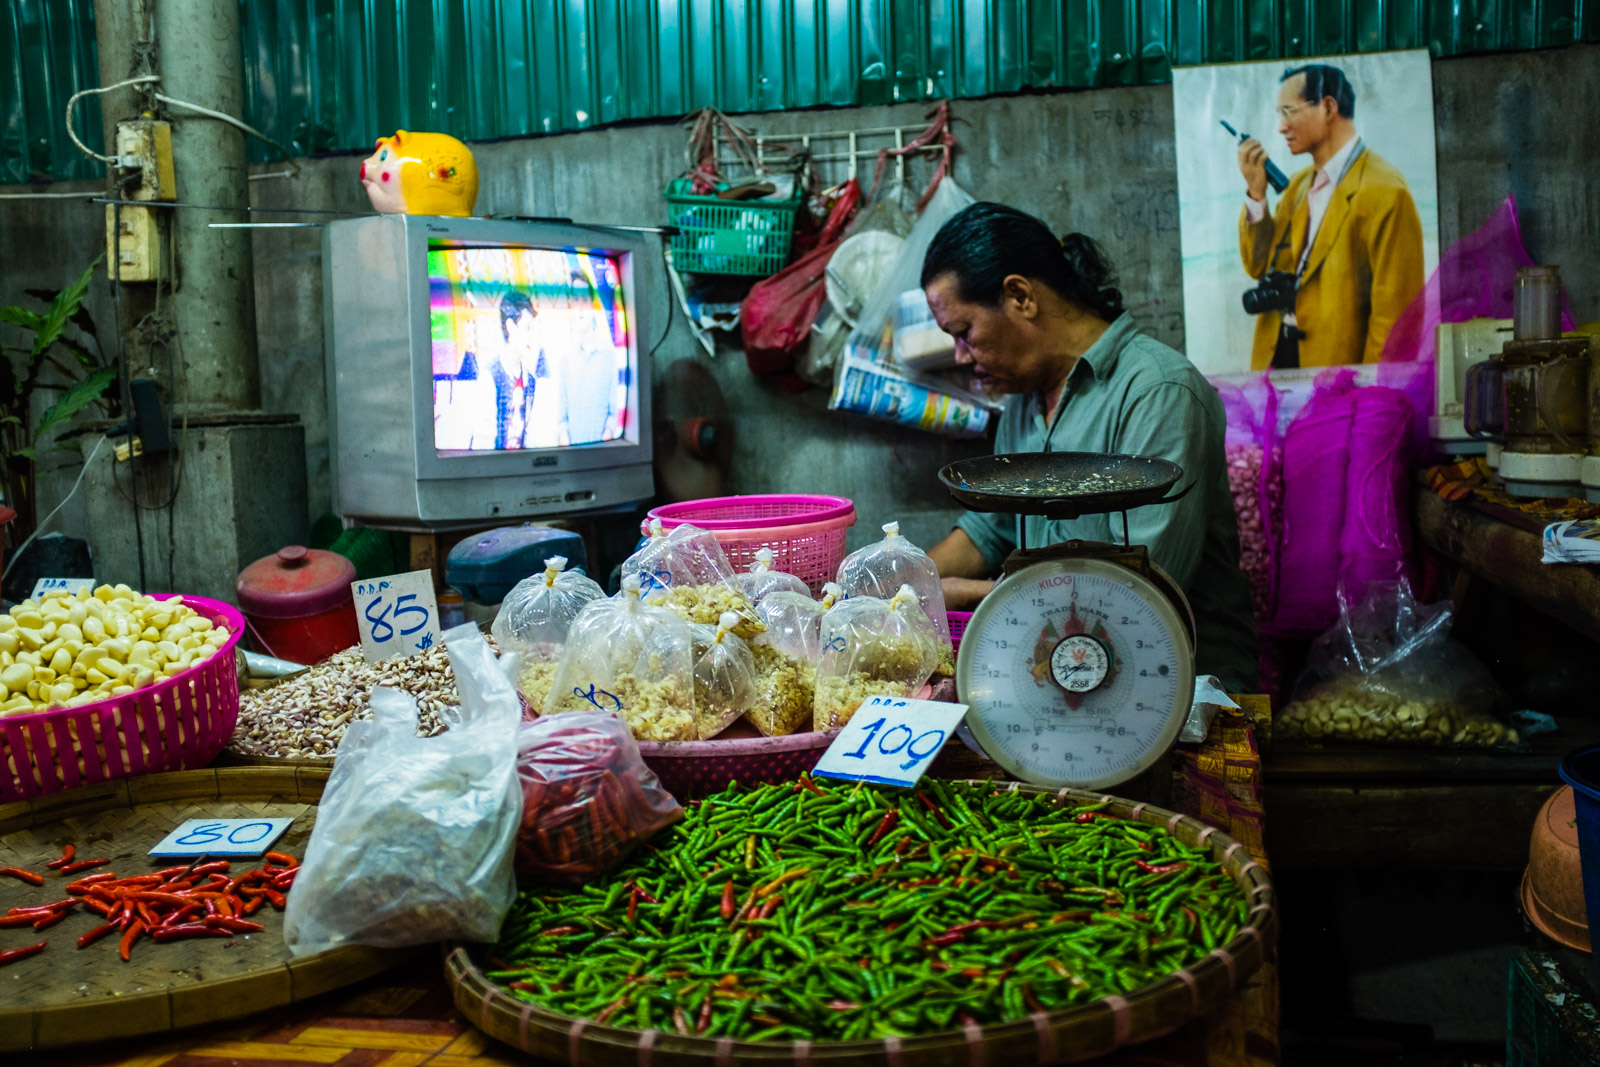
x,y
724,677
872,647
1316,462
588,800
1387,672
413,839
531,628
786,660
881,569
627,657
1255,478
760,579
686,571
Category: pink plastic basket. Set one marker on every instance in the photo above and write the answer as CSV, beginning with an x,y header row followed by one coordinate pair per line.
x,y
177,724
806,533
958,626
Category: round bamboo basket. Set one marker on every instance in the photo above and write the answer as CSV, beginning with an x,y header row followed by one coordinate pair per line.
x,y
1078,1033
65,996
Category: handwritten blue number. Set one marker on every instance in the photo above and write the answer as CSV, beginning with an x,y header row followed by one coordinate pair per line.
x,y
204,834
897,748
414,609
379,621
872,729
918,757
591,695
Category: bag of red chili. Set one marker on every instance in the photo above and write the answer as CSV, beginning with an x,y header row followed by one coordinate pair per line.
x,y
588,800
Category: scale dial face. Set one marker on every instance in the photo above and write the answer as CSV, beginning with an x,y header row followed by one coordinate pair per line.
x,y
1078,672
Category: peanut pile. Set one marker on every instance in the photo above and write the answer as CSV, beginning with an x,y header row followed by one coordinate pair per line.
x,y
1255,550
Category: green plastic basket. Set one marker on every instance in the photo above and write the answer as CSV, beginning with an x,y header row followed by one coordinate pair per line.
x,y
750,237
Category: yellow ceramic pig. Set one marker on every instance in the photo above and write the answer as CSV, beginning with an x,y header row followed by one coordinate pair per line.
x,y
421,174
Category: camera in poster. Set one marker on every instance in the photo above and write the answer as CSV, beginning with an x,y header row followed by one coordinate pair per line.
x,y
1308,207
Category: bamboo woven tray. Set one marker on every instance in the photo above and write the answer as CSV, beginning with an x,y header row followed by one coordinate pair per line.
x,y
1078,1033
65,996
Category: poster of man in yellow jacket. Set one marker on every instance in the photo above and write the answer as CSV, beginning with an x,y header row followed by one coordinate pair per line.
x,y
1341,254
1307,208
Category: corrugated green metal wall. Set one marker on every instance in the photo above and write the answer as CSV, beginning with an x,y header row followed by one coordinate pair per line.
x,y
334,74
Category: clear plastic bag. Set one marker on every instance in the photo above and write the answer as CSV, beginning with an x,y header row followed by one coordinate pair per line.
x,y
786,661
872,647
628,657
760,579
1388,673
879,570
531,628
685,571
724,677
588,800
413,839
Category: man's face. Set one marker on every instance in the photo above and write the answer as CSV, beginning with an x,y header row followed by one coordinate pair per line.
x,y
1303,125
520,333
1002,344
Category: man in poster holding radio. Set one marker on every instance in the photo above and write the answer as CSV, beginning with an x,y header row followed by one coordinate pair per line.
x,y
1341,256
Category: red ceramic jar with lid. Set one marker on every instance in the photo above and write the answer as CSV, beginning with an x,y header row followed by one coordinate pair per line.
x,y
298,604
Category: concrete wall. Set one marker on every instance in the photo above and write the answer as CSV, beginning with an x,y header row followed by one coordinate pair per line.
x,y
1101,162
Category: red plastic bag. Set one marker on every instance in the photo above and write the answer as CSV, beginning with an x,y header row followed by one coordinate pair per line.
x,y
588,800
776,316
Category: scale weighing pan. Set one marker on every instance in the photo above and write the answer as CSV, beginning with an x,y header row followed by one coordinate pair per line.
x,y
1061,485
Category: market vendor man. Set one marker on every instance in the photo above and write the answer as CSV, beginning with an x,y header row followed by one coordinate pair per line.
x,y
1037,317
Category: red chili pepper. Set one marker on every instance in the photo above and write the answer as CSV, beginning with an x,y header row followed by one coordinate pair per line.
x,y
22,953
99,907
96,879
768,908
82,865
66,858
1194,920
558,931
1087,817
151,896
85,940
1153,868
132,934
285,880
809,784
22,875
931,806
140,879
282,858
727,900
224,908
147,913
220,866
229,923
39,909
889,818
185,931
10,922
276,899
50,920
235,903
181,914
704,1021
633,903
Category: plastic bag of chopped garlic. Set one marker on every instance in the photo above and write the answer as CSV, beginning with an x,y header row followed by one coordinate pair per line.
x,y
872,647
759,579
786,660
883,568
1388,673
685,571
724,676
531,628
625,656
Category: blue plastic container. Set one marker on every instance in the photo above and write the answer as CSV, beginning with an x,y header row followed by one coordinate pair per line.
x,y
1581,770
483,568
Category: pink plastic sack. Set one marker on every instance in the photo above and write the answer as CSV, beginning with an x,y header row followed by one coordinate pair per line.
x,y
1316,462
1376,539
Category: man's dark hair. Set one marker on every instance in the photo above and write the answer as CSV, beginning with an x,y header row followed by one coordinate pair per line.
x,y
512,305
985,242
1323,80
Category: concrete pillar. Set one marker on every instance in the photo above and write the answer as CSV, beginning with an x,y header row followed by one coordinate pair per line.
x,y
214,303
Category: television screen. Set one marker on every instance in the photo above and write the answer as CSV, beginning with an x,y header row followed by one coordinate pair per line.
x,y
530,348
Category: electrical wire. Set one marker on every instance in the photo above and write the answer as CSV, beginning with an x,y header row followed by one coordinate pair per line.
x,y
16,556
671,306
81,93
230,120
85,196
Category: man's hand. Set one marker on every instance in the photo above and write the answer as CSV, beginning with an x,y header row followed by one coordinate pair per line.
x,y
963,594
1253,165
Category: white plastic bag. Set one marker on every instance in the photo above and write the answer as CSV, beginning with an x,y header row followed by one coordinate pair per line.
x,y
413,839
881,569
626,656
686,571
724,677
533,622
786,661
871,647
760,579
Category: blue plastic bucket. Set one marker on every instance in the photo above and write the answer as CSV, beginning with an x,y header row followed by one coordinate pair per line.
x,y
1581,770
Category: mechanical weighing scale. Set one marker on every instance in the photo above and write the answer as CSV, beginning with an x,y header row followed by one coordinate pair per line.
x,y
1078,667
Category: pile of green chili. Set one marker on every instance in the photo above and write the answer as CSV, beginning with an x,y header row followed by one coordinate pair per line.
x,y
830,911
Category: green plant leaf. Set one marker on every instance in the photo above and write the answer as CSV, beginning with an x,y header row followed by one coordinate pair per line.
x,y
28,320
85,357
63,308
74,400
24,453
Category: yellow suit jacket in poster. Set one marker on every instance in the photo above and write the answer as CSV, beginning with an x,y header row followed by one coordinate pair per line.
x,y
1365,265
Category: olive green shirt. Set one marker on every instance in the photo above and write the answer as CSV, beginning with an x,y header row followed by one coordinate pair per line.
x,y
1132,394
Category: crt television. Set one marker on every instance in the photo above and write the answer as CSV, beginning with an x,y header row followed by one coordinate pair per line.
x,y
481,369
